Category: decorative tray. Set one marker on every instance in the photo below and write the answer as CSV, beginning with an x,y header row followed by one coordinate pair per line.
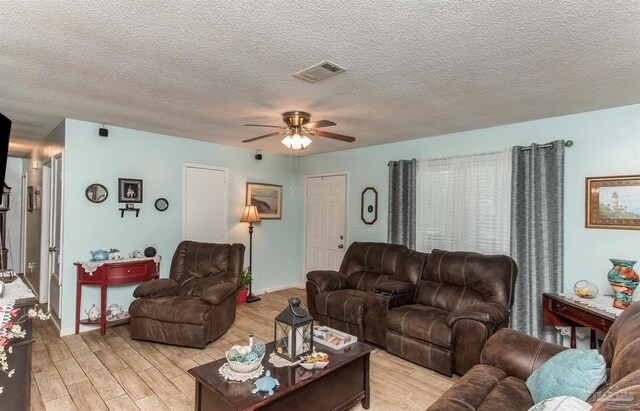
x,y
332,338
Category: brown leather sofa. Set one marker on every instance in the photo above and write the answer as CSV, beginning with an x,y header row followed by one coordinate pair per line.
x,y
197,303
440,322
510,357
462,299
345,300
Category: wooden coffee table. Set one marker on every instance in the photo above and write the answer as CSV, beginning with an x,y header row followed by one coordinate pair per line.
x,y
344,381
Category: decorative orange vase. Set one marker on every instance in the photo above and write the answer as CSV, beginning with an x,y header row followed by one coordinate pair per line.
x,y
623,280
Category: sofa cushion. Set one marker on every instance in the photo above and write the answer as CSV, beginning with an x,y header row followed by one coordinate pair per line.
x,y
380,258
455,279
421,322
344,305
367,281
485,388
577,373
174,309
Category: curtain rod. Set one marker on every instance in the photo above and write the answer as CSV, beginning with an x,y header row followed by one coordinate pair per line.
x,y
567,143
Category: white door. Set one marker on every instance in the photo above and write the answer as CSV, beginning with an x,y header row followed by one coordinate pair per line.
x,y
54,260
326,207
204,211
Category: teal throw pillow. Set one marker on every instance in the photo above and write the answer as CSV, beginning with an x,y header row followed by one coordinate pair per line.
x,y
576,373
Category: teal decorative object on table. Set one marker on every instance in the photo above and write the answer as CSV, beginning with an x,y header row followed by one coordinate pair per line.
x,y
623,280
99,255
266,384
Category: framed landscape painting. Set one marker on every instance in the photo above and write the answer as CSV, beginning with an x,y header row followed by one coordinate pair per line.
x,y
613,202
267,198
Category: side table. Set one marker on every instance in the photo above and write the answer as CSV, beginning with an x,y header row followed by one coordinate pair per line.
x,y
111,273
561,311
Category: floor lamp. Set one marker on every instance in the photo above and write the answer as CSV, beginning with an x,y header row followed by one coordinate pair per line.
x,y
250,215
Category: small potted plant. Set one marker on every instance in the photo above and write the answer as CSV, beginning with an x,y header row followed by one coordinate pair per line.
x,y
243,289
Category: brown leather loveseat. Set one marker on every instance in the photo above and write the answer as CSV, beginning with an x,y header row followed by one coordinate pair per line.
x,y
510,357
435,309
346,301
197,303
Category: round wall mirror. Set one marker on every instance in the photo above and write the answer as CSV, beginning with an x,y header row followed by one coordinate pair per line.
x,y
96,193
162,204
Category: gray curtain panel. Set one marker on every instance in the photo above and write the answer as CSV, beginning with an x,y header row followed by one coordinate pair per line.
x,y
537,197
402,203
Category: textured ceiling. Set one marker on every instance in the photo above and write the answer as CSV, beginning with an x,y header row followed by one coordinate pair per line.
x,y
414,69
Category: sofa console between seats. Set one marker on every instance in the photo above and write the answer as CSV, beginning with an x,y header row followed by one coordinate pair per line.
x,y
435,309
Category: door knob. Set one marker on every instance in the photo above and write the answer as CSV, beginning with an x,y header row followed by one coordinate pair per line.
x,y
341,246
342,237
52,249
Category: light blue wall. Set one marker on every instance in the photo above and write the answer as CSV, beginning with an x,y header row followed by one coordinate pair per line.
x,y
607,143
158,160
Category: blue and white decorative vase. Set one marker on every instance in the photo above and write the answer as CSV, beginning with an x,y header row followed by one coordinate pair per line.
x,y
623,280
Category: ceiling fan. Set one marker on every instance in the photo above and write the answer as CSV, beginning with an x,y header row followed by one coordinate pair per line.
x,y
298,129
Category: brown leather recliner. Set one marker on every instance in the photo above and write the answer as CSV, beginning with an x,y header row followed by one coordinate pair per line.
x,y
197,303
462,299
510,357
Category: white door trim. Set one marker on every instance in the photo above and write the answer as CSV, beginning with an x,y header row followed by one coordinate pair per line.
x,y
304,217
23,225
46,195
184,193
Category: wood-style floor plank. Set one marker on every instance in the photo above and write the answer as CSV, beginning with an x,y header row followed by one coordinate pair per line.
x,y
85,396
121,403
114,372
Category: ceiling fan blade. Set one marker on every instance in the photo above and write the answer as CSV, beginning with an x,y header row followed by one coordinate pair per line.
x,y
334,136
262,136
320,123
264,125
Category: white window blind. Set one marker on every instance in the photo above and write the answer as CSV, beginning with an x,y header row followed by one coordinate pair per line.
x,y
464,203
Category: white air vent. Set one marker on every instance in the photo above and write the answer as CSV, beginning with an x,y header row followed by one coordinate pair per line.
x,y
319,71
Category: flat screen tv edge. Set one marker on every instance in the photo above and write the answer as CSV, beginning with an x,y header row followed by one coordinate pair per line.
x,y
5,130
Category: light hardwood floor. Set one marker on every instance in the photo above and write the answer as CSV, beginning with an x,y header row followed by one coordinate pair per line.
x,y
90,372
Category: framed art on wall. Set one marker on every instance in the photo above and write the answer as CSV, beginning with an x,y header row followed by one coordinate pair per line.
x,y
267,198
129,190
613,202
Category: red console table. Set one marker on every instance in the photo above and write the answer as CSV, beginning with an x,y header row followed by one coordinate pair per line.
x,y
111,273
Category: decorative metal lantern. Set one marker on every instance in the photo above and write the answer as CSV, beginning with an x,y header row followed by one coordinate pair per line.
x,y
293,331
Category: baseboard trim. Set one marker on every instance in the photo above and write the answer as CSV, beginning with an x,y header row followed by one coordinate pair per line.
x,y
278,288
83,328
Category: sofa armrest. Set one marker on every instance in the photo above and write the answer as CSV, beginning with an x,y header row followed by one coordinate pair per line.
x,y
156,288
517,354
218,293
327,280
397,287
485,312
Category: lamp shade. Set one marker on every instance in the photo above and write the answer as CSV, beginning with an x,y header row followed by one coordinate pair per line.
x,y
250,214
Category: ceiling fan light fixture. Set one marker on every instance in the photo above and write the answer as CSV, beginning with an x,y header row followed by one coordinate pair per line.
x,y
306,141
296,141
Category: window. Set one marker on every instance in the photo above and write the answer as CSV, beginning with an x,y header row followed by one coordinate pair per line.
x,y
464,203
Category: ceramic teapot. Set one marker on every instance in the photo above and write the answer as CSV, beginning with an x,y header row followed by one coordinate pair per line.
x,y
135,254
99,255
93,313
114,312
